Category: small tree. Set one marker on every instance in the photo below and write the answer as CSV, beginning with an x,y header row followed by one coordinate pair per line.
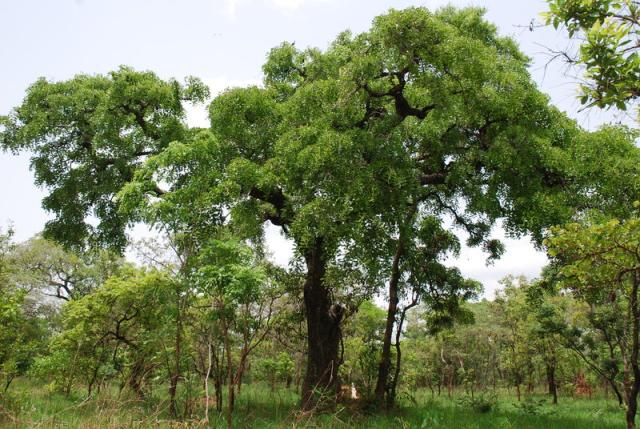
x,y
119,329
241,304
45,267
515,317
601,265
22,330
362,347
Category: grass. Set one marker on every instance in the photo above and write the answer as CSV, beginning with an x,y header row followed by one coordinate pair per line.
x,y
34,406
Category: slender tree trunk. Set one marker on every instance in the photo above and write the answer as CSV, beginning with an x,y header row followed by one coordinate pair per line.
x,y
320,386
632,406
391,396
11,377
94,377
218,392
206,379
384,367
230,377
175,376
241,366
230,404
551,381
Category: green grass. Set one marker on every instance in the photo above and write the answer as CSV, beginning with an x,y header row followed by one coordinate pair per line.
x,y
34,406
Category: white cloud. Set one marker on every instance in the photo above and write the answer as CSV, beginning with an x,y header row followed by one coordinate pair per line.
x,y
279,247
288,4
520,258
285,6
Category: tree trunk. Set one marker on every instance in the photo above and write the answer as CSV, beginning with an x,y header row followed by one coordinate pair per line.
x,y
135,378
175,376
94,377
631,412
632,406
11,377
230,377
218,392
384,367
237,379
320,386
551,381
391,395
231,400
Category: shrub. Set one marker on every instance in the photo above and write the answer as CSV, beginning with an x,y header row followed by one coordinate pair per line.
x,y
481,403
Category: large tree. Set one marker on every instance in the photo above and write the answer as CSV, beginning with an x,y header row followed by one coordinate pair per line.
x,y
343,149
88,136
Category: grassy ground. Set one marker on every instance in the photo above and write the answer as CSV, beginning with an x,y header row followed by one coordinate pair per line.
x,y
35,407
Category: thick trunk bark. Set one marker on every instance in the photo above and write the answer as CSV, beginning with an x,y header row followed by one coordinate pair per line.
x,y
320,386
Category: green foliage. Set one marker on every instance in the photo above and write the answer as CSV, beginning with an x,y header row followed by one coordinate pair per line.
x,y
482,403
598,260
226,272
608,34
362,347
599,264
114,331
51,270
277,369
23,332
531,406
361,153
88,135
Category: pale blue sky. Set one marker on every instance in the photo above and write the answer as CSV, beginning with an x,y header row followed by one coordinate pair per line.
x,y
224,42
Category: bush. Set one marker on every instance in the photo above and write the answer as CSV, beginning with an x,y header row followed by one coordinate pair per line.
x,y
532,407
481,403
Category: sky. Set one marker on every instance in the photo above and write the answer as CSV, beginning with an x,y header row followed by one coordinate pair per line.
x,y
225,42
